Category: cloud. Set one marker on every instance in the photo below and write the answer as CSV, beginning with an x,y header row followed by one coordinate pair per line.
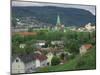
x,y
25,3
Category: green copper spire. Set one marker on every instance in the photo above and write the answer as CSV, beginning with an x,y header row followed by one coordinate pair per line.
x,y
58,20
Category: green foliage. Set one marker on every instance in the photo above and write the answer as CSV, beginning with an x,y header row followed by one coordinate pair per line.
x,y
17,39
14,22
29,49
71,56
27,40
45,69
72,45
87,61
62,56
55,61
30,29
57,35
72,40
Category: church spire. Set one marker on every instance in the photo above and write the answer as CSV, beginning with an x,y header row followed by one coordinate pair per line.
x,y
58,20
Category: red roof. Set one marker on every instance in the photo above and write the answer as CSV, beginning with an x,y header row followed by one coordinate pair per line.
x,y
26,33
41,57
87,46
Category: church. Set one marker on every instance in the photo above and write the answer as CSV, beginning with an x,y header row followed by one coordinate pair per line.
x,y
59,26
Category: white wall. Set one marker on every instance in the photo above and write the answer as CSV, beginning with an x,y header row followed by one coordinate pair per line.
x,y
44,63
49,57
18,67
38,64
82,50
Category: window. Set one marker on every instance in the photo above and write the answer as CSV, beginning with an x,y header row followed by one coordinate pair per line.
x,y
48,63
17,60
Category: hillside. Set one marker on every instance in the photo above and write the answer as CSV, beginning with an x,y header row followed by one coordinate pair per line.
x,y
48,14
78,63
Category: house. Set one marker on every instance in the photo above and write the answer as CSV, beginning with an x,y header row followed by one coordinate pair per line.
x,y
16,30
26,33
84,48
63,52
41,60
49,57
22,45
89,27
81,29
18,66
40,43
28,63
59,43
39,52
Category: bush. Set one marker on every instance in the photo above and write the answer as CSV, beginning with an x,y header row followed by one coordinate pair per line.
x,y
62,56
71,56
87,61
55,61
30,29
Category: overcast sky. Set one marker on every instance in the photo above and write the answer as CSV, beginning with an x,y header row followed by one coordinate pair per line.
x,y
86,7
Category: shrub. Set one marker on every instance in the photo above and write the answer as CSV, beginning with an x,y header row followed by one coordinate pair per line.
x,y
55,60
62,56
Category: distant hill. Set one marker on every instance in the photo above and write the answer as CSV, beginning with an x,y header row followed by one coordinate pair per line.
x,y
48,14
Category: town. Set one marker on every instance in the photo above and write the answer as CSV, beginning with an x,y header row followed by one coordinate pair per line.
x,y
38,46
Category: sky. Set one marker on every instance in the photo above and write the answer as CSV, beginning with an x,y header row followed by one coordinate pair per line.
x,y
26,3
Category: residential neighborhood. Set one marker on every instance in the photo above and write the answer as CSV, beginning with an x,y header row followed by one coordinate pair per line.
x,y
52,40
43,52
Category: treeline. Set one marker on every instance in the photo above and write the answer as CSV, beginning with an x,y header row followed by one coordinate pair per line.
x,y
72,40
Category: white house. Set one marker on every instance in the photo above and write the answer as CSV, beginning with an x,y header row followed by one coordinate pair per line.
x,y
23,63
84,48
40,60
18,66
22,45
28,63
81,29
89,27
49,57
58,42
40,43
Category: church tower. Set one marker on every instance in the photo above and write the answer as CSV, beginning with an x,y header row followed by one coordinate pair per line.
x,y
58,21
59,26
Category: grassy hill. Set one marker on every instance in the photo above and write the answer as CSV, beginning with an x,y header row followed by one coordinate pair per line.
x,y
85,62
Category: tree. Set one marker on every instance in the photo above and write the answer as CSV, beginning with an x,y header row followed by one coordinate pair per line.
x,y
73,46
18,39
62,56
55,60
30,29
14,22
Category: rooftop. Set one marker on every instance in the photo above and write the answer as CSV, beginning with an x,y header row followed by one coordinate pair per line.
x,y
31,57
26,33
87,46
